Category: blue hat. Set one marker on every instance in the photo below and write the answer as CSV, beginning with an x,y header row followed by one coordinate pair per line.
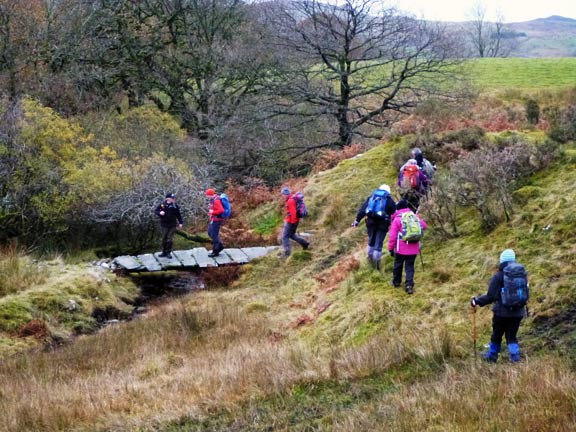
x,y
507,255
170,195
285,190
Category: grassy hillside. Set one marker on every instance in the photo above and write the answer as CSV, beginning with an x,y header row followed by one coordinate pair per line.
x,y
522,73
324,342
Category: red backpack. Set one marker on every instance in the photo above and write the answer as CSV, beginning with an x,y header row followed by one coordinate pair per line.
x,y
410,177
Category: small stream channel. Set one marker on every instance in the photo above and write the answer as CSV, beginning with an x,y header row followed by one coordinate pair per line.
x,y
154,289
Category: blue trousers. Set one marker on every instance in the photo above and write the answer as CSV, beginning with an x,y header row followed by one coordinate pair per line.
x,y
214,234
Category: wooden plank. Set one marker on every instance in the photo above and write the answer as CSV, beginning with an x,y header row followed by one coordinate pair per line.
x,y
255,252
237,256
168,263
129,263
202,258
224,258
186,258
150,262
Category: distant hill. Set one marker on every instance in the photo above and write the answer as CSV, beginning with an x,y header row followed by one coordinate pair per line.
x,y
554,36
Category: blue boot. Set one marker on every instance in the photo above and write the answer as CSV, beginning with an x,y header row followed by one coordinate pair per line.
x,y
491,356
514,351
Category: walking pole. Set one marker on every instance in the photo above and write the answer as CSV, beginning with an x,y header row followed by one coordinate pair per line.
x,y
421,259
474,334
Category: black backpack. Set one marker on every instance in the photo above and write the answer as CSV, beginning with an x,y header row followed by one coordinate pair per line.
x,y
515,292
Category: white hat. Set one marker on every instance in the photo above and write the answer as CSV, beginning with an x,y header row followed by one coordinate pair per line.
x,y
385,187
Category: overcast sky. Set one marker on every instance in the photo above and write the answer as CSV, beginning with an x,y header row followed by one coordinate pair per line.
x,y
512,10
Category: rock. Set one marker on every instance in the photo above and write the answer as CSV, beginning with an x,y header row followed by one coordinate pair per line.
x,y
72,305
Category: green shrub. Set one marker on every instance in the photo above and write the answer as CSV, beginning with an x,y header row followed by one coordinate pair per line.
x,y
532,111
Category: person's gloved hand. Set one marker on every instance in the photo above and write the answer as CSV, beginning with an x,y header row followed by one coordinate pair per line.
x,y
355,223
391,252
473,302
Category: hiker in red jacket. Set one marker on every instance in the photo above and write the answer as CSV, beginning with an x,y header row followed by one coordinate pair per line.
x,y
215,211
291,224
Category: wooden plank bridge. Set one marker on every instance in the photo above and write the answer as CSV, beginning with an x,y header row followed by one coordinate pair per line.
x,y
189,259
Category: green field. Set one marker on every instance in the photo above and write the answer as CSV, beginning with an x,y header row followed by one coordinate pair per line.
x,y
522,73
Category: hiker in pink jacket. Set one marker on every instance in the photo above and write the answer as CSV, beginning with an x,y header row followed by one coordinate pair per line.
x,y
404,253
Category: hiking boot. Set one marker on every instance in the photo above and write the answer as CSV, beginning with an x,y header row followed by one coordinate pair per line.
x,y
491,356
305,246
394,284
514,351
213,254
165,255
409,289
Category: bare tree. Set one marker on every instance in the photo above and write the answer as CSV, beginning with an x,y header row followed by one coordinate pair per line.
x,y
356,64
489,38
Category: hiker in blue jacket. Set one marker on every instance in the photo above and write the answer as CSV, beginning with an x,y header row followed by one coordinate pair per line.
x,y
376,224
505,321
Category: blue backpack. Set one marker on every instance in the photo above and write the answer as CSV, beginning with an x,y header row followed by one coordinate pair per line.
x,y
227,206
377,205
515,292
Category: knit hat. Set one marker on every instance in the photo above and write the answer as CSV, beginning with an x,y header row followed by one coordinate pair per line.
x,y
170,195
507,255
416,151
285,190
412,162
384,187
210,192
402,204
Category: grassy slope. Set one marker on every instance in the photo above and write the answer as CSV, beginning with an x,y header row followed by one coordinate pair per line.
x,y
236,359
49,301
522,73
444,388
434,324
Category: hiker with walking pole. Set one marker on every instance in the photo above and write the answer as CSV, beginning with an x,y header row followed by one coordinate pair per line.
x,y
509,292
474,333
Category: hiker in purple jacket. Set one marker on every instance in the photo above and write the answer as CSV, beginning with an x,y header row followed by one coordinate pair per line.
x,y
412,183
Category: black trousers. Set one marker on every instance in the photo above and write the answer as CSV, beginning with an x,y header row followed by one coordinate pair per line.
x,y
406,261
167,239
505,326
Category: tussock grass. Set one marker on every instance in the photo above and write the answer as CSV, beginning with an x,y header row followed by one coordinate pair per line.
x,y
418,396
18,272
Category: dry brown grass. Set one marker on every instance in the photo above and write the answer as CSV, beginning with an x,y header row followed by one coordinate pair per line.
x,y
17,271
538,395
161,367
180,360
